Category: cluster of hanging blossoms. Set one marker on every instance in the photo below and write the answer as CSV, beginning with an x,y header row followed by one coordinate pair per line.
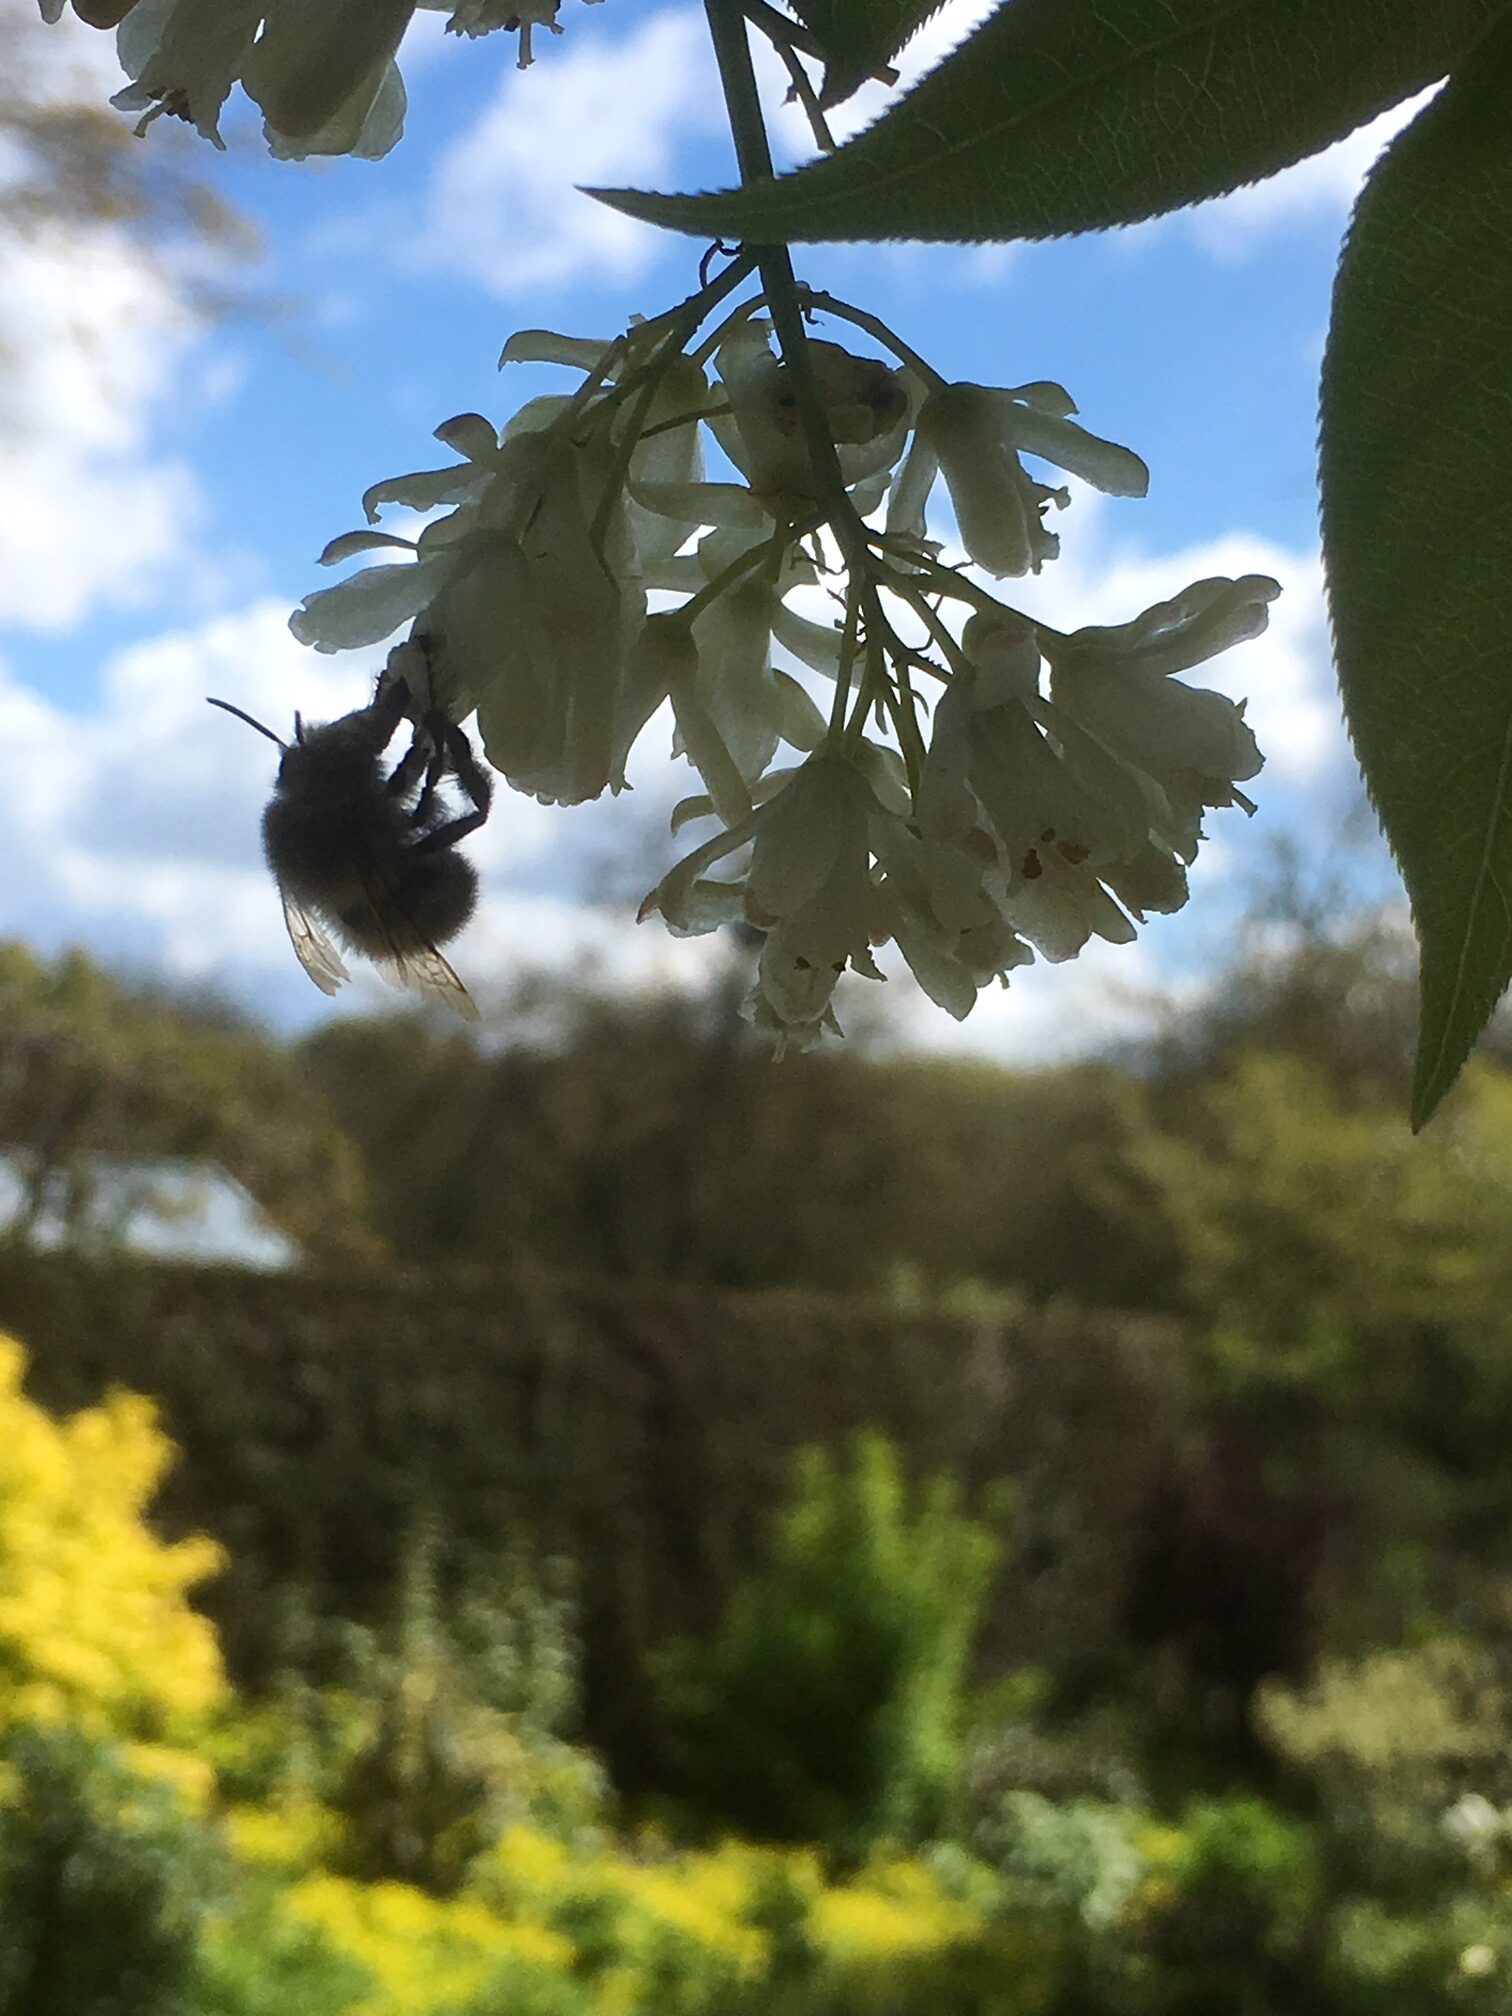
x,y
321,72
887,752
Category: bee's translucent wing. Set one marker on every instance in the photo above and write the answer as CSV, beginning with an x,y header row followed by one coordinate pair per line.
x,y
429,974
313,948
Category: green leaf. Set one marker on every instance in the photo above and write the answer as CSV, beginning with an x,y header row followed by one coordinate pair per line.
x,y
859,37
1417,533
1071,115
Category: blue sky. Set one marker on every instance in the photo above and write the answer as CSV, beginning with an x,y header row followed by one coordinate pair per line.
x,y
172,483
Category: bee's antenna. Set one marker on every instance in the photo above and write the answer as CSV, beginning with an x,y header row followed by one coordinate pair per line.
x,y
226,706
298,726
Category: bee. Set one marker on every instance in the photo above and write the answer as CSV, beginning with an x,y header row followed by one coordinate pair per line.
x,y
370,858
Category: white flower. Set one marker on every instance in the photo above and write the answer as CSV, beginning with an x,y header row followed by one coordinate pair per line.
x,y
938,903
994,782
974,435
808,888
865,405
183,56
481,17
535,629
323,74
1116,684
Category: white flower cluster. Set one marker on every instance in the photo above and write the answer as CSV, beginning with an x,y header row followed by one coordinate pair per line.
x,y
582,570
322,72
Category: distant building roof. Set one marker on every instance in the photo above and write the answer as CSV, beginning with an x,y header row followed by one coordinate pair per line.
x,y
169,1210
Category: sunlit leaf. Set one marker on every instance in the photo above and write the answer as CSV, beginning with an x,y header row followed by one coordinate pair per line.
x,y
1417,521
1071,115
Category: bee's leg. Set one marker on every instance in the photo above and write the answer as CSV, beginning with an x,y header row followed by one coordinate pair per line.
x,y
406,773
470,774
435,771
389,707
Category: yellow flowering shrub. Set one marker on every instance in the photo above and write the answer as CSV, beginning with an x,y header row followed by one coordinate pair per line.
x,y
663,1934
95,1623
893,1909
423,1953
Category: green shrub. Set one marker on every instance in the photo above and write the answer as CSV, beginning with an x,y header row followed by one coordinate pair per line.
x,y
104,1881
461,1736
829,1706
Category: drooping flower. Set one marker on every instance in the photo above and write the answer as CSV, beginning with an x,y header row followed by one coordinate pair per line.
x,y
973,435
1117,685
808,888
937,902
482,17
324,77
995,781
865,405
182,57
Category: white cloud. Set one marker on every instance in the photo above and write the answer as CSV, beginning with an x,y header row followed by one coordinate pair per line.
x,y
503,206
94,338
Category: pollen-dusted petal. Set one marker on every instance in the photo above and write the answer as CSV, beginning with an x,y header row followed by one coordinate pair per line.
x,y
1060,906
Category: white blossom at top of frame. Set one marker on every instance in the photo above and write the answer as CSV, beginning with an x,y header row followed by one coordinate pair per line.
x,y
183,57
484,17
325,79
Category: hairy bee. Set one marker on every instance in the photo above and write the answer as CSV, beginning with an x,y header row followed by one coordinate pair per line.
x,y
368,856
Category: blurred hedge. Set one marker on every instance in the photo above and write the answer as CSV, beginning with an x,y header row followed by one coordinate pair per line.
x,y
646,1432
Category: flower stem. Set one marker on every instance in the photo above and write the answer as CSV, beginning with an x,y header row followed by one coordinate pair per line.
x,y
732,51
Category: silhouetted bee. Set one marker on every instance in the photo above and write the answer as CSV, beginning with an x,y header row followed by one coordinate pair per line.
x,y
373,855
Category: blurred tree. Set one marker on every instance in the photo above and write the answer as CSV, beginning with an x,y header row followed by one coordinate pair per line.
x,y
71,161
650,1138
90,1064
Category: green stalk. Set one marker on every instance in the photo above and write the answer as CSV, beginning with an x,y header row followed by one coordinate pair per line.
x,y
753,155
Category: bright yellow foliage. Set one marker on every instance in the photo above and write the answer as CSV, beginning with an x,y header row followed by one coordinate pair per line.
x,y
892,1910
95,1625
424,1953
